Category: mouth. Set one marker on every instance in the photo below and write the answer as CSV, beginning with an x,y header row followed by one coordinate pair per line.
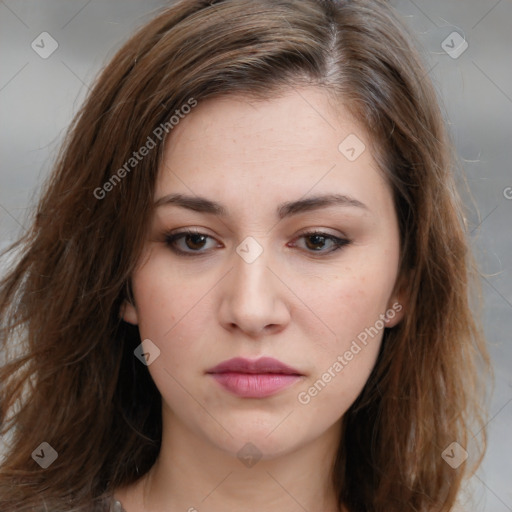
x,y
258,378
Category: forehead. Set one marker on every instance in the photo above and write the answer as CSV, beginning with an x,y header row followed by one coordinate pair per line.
x,y
240,149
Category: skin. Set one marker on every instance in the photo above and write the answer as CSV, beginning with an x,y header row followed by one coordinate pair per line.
x,y
294,303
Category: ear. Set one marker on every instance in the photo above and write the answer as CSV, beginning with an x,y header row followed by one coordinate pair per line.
x,y
396,306
128,312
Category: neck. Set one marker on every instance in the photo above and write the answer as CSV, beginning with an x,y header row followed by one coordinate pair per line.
x,y
192,474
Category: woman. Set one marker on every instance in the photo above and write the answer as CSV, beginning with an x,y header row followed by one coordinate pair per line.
x,y
246,283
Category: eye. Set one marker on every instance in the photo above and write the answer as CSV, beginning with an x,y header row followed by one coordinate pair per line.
x,y
190,242
195,243
319,242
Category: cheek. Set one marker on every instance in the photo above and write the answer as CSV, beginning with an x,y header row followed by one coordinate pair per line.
x,y
169,300
351,304
174,313
332,392
351,301
348,352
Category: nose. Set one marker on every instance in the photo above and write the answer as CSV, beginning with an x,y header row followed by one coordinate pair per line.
x,y
253,299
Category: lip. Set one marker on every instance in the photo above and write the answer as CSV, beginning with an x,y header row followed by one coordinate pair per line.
x,y
258,378
254,366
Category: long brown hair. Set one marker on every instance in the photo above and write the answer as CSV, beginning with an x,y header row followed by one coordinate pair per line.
x,y
70,377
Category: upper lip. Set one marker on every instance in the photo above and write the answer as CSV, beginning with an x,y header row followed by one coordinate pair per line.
x,y
262,365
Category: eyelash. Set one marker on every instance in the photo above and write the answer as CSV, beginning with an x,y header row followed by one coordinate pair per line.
x,y
172,238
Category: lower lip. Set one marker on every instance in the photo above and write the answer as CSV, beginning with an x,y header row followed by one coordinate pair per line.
x,y
258,385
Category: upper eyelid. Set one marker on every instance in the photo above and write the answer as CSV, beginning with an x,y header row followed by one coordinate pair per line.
x,y
309,232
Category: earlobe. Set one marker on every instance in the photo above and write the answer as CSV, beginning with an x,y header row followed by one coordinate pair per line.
x,y
128,312
396,307
395,312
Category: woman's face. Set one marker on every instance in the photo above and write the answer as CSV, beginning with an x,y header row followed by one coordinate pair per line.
x,y
293,256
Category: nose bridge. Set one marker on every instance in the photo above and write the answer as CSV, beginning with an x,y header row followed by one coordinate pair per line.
x,y
252,299
251,277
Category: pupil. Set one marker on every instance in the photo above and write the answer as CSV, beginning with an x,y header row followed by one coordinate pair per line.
x,y
195,241
315,241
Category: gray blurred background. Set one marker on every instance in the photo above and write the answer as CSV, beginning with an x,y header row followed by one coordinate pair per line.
x,y
51,51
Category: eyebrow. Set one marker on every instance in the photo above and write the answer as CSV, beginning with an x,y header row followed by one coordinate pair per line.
x,y
203,205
